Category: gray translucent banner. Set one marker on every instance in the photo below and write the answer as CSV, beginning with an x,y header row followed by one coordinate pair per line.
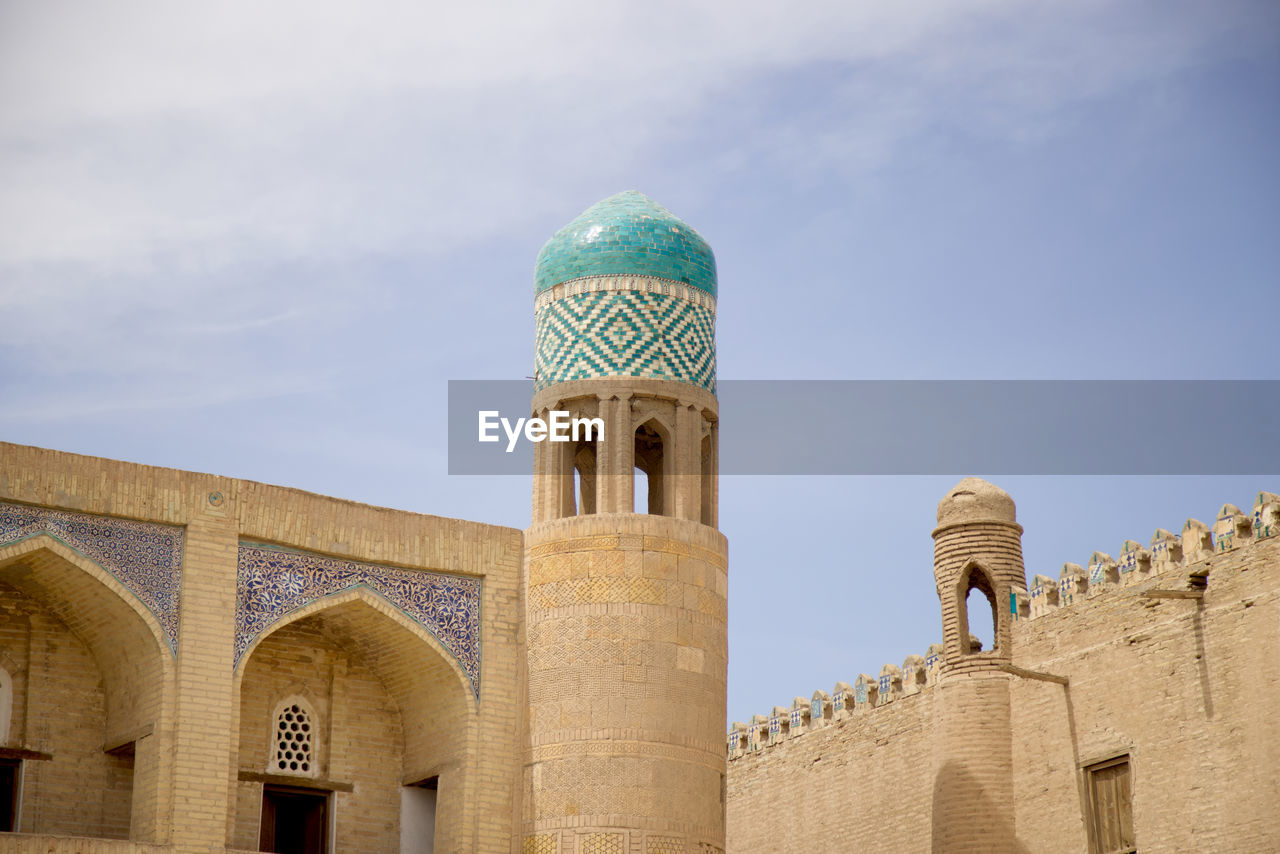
x,y
952,427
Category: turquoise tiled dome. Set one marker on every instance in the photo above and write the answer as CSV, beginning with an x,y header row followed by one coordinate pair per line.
x,y
626,234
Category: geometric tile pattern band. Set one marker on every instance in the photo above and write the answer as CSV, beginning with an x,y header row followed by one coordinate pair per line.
x,y
145,557
625,334
631,282
272,582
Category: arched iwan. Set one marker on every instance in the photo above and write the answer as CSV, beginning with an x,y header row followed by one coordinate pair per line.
x,y
134,662
374,679
335,603
274,583
75,587
144,558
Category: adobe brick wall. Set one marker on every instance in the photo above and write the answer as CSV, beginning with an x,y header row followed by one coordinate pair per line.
x,y
853,784
1185,686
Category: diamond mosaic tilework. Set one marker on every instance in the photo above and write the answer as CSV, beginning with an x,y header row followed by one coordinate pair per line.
x,y
272,582
627,233
625,333
541,843
602,843
145,557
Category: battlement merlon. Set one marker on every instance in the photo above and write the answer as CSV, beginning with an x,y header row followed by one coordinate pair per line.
x,y
1167,554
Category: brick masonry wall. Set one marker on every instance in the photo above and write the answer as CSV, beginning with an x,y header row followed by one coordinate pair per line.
x,y
185,788
626,688
135,667
853,784
357,730
1185,687
59,709
995,546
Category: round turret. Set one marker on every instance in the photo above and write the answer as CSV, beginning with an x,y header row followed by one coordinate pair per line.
x,y
977,545
977,548
975,500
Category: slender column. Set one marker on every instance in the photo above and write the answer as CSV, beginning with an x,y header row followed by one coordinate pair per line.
x,y
710,483
541,501
688,440
614,463
550,487
562,478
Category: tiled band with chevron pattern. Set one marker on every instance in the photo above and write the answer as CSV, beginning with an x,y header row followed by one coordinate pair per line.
x,y
626,326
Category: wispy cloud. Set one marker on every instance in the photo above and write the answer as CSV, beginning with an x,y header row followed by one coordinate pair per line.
x,y
223,131
36,405
157,157
242,325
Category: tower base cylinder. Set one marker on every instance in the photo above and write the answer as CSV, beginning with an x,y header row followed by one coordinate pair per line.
x,y
627,654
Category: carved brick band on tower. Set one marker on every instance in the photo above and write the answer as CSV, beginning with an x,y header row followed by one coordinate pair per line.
x,y
626,605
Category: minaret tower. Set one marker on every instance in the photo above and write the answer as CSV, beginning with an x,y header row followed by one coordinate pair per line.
x,y
977,546
626,605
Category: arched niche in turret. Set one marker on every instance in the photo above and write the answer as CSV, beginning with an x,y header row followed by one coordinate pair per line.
x,y
976,578
652,439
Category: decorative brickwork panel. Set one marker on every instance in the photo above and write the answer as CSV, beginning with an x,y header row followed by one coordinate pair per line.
x,y
292,741
602,843
273,582
541,843
144,557
664,845
625,334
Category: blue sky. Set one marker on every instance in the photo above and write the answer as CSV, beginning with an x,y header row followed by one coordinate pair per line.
x,y
259,240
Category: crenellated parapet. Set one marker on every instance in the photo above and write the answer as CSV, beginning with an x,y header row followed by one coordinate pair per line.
x,y
917,674
1266,515
1166,554
913,675
1197,541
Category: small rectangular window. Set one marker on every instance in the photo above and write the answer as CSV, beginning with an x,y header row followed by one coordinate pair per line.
x,y
10,775
1111,806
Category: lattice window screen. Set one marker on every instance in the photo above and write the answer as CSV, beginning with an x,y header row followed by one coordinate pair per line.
x,y
293,740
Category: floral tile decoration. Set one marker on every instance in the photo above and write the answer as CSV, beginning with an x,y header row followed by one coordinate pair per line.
x,y
145,557
273,582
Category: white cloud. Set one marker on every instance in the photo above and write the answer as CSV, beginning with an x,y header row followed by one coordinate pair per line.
x,y
152,151
228,130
